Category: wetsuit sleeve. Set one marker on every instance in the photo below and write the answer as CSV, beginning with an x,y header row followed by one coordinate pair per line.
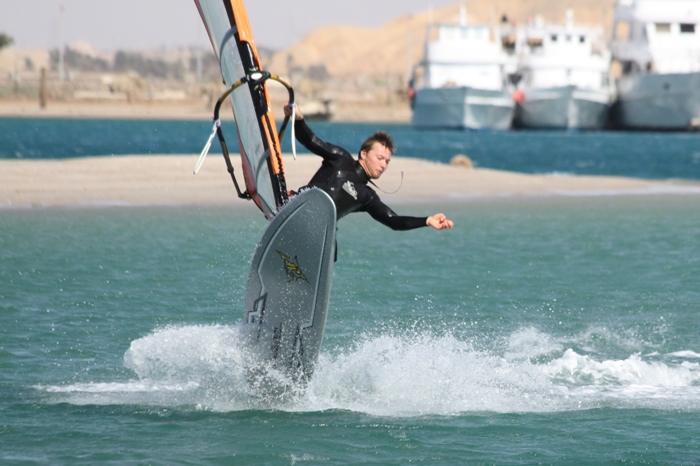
x,y
384,215
312,142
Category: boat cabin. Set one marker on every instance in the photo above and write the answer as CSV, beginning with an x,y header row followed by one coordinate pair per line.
x,y
656,36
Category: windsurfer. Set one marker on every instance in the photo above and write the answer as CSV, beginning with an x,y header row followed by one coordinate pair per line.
x,y
345,179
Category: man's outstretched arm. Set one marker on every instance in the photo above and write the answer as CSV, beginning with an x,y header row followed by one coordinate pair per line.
x,y
383,214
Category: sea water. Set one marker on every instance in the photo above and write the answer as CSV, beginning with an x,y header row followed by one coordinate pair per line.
x,y
644,155
541,330
546,330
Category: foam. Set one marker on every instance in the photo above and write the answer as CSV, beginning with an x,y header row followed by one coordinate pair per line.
x,y
655,190
414,374
686,354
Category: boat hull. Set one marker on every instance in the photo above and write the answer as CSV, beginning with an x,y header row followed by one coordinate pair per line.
x,y
658,101
566,107
463,107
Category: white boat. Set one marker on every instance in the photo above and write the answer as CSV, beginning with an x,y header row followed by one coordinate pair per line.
x,y
565,80
463,80
656,46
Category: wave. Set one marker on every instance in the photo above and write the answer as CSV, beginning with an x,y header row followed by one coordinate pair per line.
x,y
203,368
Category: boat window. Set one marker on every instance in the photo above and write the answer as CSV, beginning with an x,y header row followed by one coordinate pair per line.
x,y
568,38
554,37
534,42
687,28
663,27
581,39
508,42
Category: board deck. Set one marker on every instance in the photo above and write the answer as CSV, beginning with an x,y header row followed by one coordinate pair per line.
x,y
289,287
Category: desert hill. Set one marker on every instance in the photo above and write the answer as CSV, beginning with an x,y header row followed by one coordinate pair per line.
x,y
391,49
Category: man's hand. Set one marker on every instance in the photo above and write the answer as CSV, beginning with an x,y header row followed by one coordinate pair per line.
x,y
439,222
297,112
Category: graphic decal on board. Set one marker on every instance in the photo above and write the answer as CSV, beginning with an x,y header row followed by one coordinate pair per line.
x,y
256,315
291,266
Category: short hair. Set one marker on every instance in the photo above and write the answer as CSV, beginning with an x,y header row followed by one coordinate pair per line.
x,y
382,138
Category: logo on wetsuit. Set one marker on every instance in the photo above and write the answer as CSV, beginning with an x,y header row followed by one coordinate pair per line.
x,y
349,188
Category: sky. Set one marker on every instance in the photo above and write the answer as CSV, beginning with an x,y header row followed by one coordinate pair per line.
x,y
112,25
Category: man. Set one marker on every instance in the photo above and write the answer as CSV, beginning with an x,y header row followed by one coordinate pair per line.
x,y
345,179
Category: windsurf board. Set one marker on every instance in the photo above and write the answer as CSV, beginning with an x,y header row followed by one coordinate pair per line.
x,y
289,288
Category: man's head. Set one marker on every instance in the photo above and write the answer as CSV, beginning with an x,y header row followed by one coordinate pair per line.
x,y
375,154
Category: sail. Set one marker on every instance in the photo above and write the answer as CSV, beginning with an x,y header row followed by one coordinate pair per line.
x,y
227,24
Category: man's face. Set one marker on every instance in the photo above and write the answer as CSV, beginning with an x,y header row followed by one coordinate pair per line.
x,y
376,160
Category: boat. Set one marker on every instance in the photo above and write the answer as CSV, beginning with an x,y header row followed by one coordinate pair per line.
x,y
464,78
565,77
656,49
317,110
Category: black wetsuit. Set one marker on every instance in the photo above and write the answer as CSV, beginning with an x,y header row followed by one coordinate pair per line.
x,y
345,181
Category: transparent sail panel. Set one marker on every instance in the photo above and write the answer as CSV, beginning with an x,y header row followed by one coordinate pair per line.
x,y
250,136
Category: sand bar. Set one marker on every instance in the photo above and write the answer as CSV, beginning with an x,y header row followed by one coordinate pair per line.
x,y
348,112
168,180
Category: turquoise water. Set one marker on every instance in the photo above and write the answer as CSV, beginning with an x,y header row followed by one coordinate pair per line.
x,y
643,155
538,331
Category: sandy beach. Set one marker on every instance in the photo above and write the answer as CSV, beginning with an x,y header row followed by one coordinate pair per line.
x,y
96,109
169,180
399,112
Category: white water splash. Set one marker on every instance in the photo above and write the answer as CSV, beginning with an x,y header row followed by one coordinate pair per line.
x,y
203,367
199,367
